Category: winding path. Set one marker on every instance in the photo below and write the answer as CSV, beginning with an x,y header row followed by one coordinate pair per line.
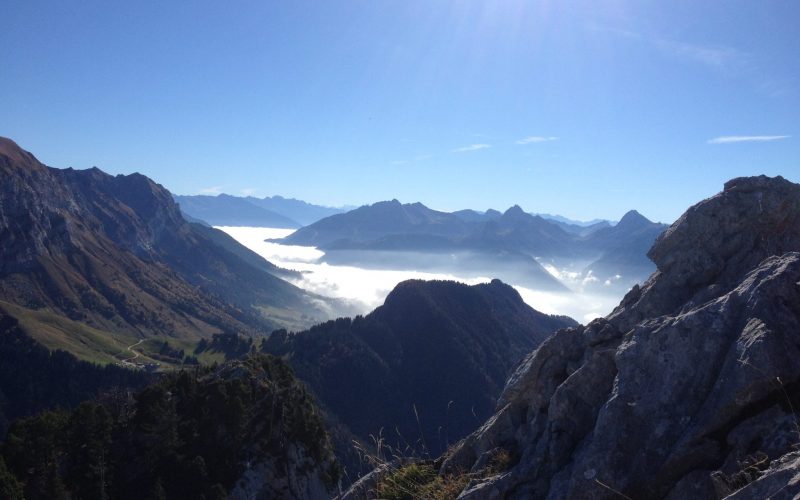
x,y
135,353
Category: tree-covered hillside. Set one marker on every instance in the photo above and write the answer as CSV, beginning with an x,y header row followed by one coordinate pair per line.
x,y
247,428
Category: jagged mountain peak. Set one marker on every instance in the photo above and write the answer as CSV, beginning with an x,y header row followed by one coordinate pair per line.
x,y
515,211
632,217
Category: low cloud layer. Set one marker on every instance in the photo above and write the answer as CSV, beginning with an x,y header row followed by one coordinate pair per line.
x,y
366,289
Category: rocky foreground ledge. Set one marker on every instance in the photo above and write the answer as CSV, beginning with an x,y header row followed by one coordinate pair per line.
x,y
686,390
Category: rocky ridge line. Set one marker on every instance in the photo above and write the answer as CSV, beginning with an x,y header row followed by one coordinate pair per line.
x,y
680,387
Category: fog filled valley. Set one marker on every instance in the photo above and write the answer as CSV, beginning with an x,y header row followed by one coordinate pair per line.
x,y
448,250
584,296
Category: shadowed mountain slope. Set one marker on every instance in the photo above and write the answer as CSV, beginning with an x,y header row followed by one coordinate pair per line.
x,y
114,252
438,351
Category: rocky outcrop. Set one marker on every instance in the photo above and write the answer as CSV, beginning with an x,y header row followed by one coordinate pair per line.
x,y
291,477
706,252
367,485
780,480
694,375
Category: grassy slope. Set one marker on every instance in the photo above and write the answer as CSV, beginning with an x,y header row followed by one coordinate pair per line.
x,y
55,331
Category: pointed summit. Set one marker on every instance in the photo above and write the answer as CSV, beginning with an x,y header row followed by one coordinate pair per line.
x,y
633,218
515,213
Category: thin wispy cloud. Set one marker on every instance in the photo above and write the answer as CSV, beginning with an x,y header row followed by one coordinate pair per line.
x,y
210,190
249,191
472,147
717,56
778,87
536,139
729,139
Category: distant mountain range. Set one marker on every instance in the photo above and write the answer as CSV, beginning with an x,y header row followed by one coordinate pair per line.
x,y
113,258
512,245
274,211
289,213
573,222
302,212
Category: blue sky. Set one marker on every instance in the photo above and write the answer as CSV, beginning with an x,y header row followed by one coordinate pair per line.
x,y
582,108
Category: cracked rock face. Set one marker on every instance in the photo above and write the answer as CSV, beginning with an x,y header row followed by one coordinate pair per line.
x,y
694,374
705,253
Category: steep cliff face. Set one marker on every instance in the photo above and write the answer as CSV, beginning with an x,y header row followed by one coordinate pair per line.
x,y
115,253
687,390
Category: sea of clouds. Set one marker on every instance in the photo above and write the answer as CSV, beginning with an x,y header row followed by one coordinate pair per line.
x,y
366,289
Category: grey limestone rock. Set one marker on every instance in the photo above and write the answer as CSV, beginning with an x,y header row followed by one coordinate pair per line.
x,y
781,481
693,373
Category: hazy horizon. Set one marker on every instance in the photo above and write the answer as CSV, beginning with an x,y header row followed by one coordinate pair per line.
x,y
584,109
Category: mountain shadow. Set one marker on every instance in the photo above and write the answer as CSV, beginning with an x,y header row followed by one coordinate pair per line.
x,y
425,368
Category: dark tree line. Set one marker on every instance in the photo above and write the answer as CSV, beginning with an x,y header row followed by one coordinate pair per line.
x,y
189,435
33,379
